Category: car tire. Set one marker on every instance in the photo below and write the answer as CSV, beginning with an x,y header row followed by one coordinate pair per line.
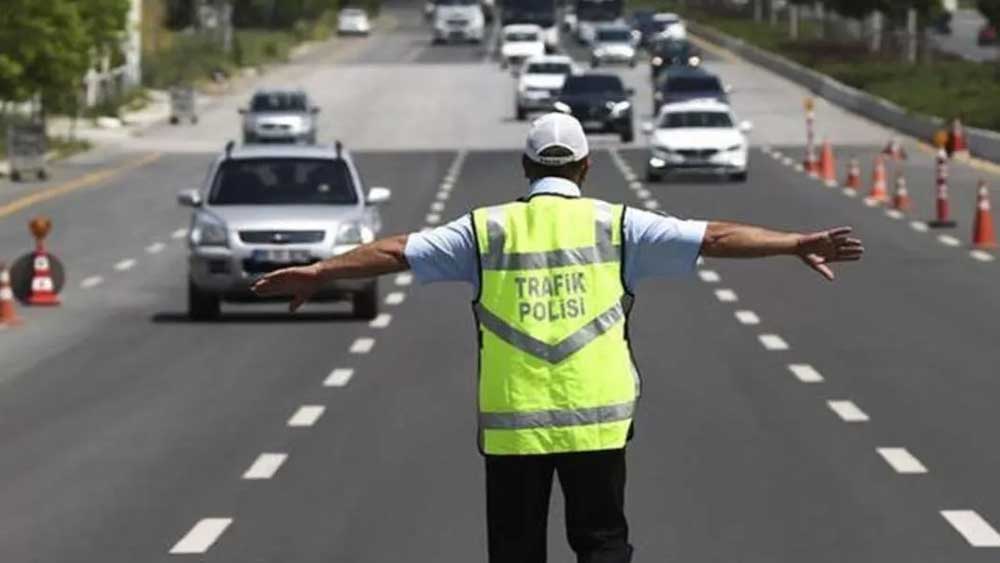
x,y
202,306
365,302
174,120
628,135
739,177
522,114
653,177
42,174
15,176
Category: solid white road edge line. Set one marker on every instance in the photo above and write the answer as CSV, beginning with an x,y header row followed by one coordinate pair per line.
x,y
747,317
805,373
362,345
901,460
265,466
848,411
973,527
339,377
772,342
726,295
201,537
306,415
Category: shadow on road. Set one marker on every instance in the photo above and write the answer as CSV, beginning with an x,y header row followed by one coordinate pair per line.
x,y
170,317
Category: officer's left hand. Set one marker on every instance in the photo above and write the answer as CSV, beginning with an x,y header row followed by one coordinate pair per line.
x,y
818,250
300,283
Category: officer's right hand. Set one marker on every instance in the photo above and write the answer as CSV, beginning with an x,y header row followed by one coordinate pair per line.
x,y
300,283
818,250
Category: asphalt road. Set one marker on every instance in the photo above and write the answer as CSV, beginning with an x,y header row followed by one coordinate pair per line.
x,y
129,432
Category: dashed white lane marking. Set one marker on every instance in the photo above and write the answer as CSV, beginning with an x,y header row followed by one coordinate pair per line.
x,y
651,204
437,206
125,264
747,318
433,219
848,411
805,373
831,183
902,461
404,279
179,233
446,187
381,321
338,377
395,298
92,281
643,194
787,161
894,214
981,255
918,226
630,177
948,240
265,466
201,537
709,276
725,295
799,168
155,248
307,415
872,202
772,342
443,195
362,345
973,527
635,185
850,192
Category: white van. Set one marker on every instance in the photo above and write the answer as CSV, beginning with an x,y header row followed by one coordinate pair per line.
x,y
458,20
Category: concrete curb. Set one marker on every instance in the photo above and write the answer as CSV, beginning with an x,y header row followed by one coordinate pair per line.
x,y
983,143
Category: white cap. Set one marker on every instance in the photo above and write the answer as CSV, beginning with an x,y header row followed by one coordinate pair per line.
x,y
556,130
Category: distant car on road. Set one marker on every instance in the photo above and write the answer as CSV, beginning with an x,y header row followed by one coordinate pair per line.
x,y
669,53
987,36
601,103
519,42
540,82
681,84
698,135
613,43
353,21
269,207
458,20
651,26
279,116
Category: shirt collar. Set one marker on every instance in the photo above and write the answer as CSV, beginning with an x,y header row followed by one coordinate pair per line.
x,y
554,186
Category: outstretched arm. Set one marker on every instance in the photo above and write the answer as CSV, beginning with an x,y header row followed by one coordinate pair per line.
x,y
817,250
383,256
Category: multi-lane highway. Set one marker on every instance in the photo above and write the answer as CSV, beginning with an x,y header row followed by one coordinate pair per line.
x,y
783,418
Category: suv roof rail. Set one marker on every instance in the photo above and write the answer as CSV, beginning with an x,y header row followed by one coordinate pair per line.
x,y
229,148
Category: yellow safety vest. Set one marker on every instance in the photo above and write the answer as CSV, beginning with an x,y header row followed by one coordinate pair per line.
x,y
555,371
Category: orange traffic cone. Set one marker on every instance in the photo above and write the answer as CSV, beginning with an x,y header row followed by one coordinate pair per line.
x,y
943,218
43,289
853,175
983,235
8,316
957,145
901,197
878,192
894,149
828,165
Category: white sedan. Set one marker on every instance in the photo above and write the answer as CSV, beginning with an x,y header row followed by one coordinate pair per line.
x,y
540,82
519,42
353,21
698,136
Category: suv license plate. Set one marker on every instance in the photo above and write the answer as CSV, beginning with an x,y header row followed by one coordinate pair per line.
x,y
281,256
593,124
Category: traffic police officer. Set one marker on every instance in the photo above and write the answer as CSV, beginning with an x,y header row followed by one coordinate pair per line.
x,y
554,274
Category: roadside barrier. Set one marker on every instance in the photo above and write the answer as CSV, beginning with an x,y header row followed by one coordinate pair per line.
x,y
943,218
901,196
983,234
8,315
853,175
879,192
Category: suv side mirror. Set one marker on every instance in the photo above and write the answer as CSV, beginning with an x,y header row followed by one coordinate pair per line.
x,y
378,196
746,126
189,198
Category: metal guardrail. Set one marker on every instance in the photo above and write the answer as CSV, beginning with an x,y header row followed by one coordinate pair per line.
x,y
983,143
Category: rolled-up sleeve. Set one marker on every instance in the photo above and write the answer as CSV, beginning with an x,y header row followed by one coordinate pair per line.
x,y
445,253
659,245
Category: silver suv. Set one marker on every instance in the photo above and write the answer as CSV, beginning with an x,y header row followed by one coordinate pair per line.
x,y
279,116
269,207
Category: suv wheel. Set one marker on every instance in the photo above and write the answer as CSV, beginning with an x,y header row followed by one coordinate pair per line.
x,y
652,177
202,306
366,302
628,135
521,114
740,177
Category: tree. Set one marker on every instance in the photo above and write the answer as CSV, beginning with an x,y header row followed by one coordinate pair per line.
x,y
104,22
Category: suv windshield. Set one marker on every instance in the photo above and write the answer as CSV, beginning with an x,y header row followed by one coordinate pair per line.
x,y
682,119
548,68
283,181
514,36
278,101
614,35
594,84
694,84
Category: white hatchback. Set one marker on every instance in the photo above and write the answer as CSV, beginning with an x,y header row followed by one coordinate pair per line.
x,y
698,136
520,42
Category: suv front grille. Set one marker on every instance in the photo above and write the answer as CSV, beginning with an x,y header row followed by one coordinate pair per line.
x,y
698,153
281,237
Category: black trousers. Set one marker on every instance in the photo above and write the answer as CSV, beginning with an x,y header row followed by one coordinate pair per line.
x,y
517,506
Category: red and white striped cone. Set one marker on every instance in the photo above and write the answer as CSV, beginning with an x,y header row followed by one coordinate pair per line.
x,y
853,175
43,289
942,219
983,233
901,196
8,316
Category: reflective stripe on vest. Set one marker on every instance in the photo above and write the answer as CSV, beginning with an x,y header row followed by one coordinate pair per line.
x,y
556,374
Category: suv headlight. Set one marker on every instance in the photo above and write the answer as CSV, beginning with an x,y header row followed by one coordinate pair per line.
x,y
619,108
353,233
209,231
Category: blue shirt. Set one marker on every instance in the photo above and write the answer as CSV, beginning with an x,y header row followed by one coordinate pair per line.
x,y
655,245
